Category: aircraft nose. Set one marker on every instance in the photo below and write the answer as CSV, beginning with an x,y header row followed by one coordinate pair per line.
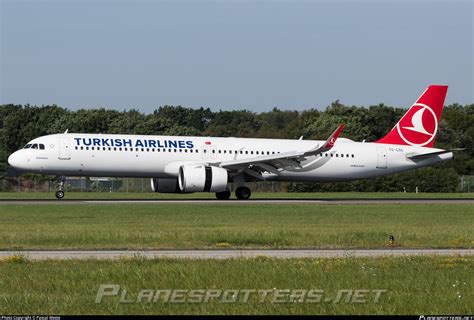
x,y
14,160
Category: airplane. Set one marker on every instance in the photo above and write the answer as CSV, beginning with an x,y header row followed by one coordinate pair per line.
x,y
181,164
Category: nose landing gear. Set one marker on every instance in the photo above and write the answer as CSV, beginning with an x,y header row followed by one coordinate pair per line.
x,y
60,193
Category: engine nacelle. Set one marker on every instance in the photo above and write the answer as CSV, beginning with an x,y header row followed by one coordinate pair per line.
x,y
199,178
165,185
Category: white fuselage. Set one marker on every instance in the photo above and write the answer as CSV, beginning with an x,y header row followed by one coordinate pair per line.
x,y
161,156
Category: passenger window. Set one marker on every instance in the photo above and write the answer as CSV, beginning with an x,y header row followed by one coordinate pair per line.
x,y
352,156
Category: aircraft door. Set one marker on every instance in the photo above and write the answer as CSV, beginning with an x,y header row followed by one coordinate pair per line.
x,y
213,152
209,152
64,148
205,152
381,158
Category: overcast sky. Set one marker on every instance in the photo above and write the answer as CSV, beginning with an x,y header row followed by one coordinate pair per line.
x,y
233,54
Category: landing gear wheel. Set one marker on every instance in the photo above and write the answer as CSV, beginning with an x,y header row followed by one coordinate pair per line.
x,y
59,194
243,193
223,195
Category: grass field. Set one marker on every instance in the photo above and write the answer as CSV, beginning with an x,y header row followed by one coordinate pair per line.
x,y
255,195
147,226
415,285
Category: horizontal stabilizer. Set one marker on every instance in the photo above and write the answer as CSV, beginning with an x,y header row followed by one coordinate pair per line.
x,y
430,154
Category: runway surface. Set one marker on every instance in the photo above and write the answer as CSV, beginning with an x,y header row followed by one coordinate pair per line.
x,y
233,254
238,202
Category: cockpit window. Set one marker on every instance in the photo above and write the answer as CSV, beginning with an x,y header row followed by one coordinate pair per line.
x,y
34,146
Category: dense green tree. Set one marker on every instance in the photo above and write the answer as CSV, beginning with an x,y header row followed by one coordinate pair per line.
x,y
19,124
238,123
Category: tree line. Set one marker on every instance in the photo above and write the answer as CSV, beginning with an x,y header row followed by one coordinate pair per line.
x,y
21,123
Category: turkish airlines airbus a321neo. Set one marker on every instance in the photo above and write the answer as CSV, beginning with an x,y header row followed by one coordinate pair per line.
x,y
178,164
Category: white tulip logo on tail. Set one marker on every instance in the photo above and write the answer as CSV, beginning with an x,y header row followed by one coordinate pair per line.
x,y
419,125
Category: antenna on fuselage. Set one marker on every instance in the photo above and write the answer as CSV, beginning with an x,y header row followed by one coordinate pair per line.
x,y
301,138
66,130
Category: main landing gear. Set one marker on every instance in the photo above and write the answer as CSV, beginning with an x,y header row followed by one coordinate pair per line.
x,y
223,195
60,193
242,193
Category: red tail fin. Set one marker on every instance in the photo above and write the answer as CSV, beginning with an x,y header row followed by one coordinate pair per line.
x,y
419,124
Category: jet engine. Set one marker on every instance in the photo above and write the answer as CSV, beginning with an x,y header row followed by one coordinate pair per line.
x,y
165,185
198,178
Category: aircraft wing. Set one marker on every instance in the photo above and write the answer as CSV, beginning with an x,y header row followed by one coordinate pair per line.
x,y
430,154
272,163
